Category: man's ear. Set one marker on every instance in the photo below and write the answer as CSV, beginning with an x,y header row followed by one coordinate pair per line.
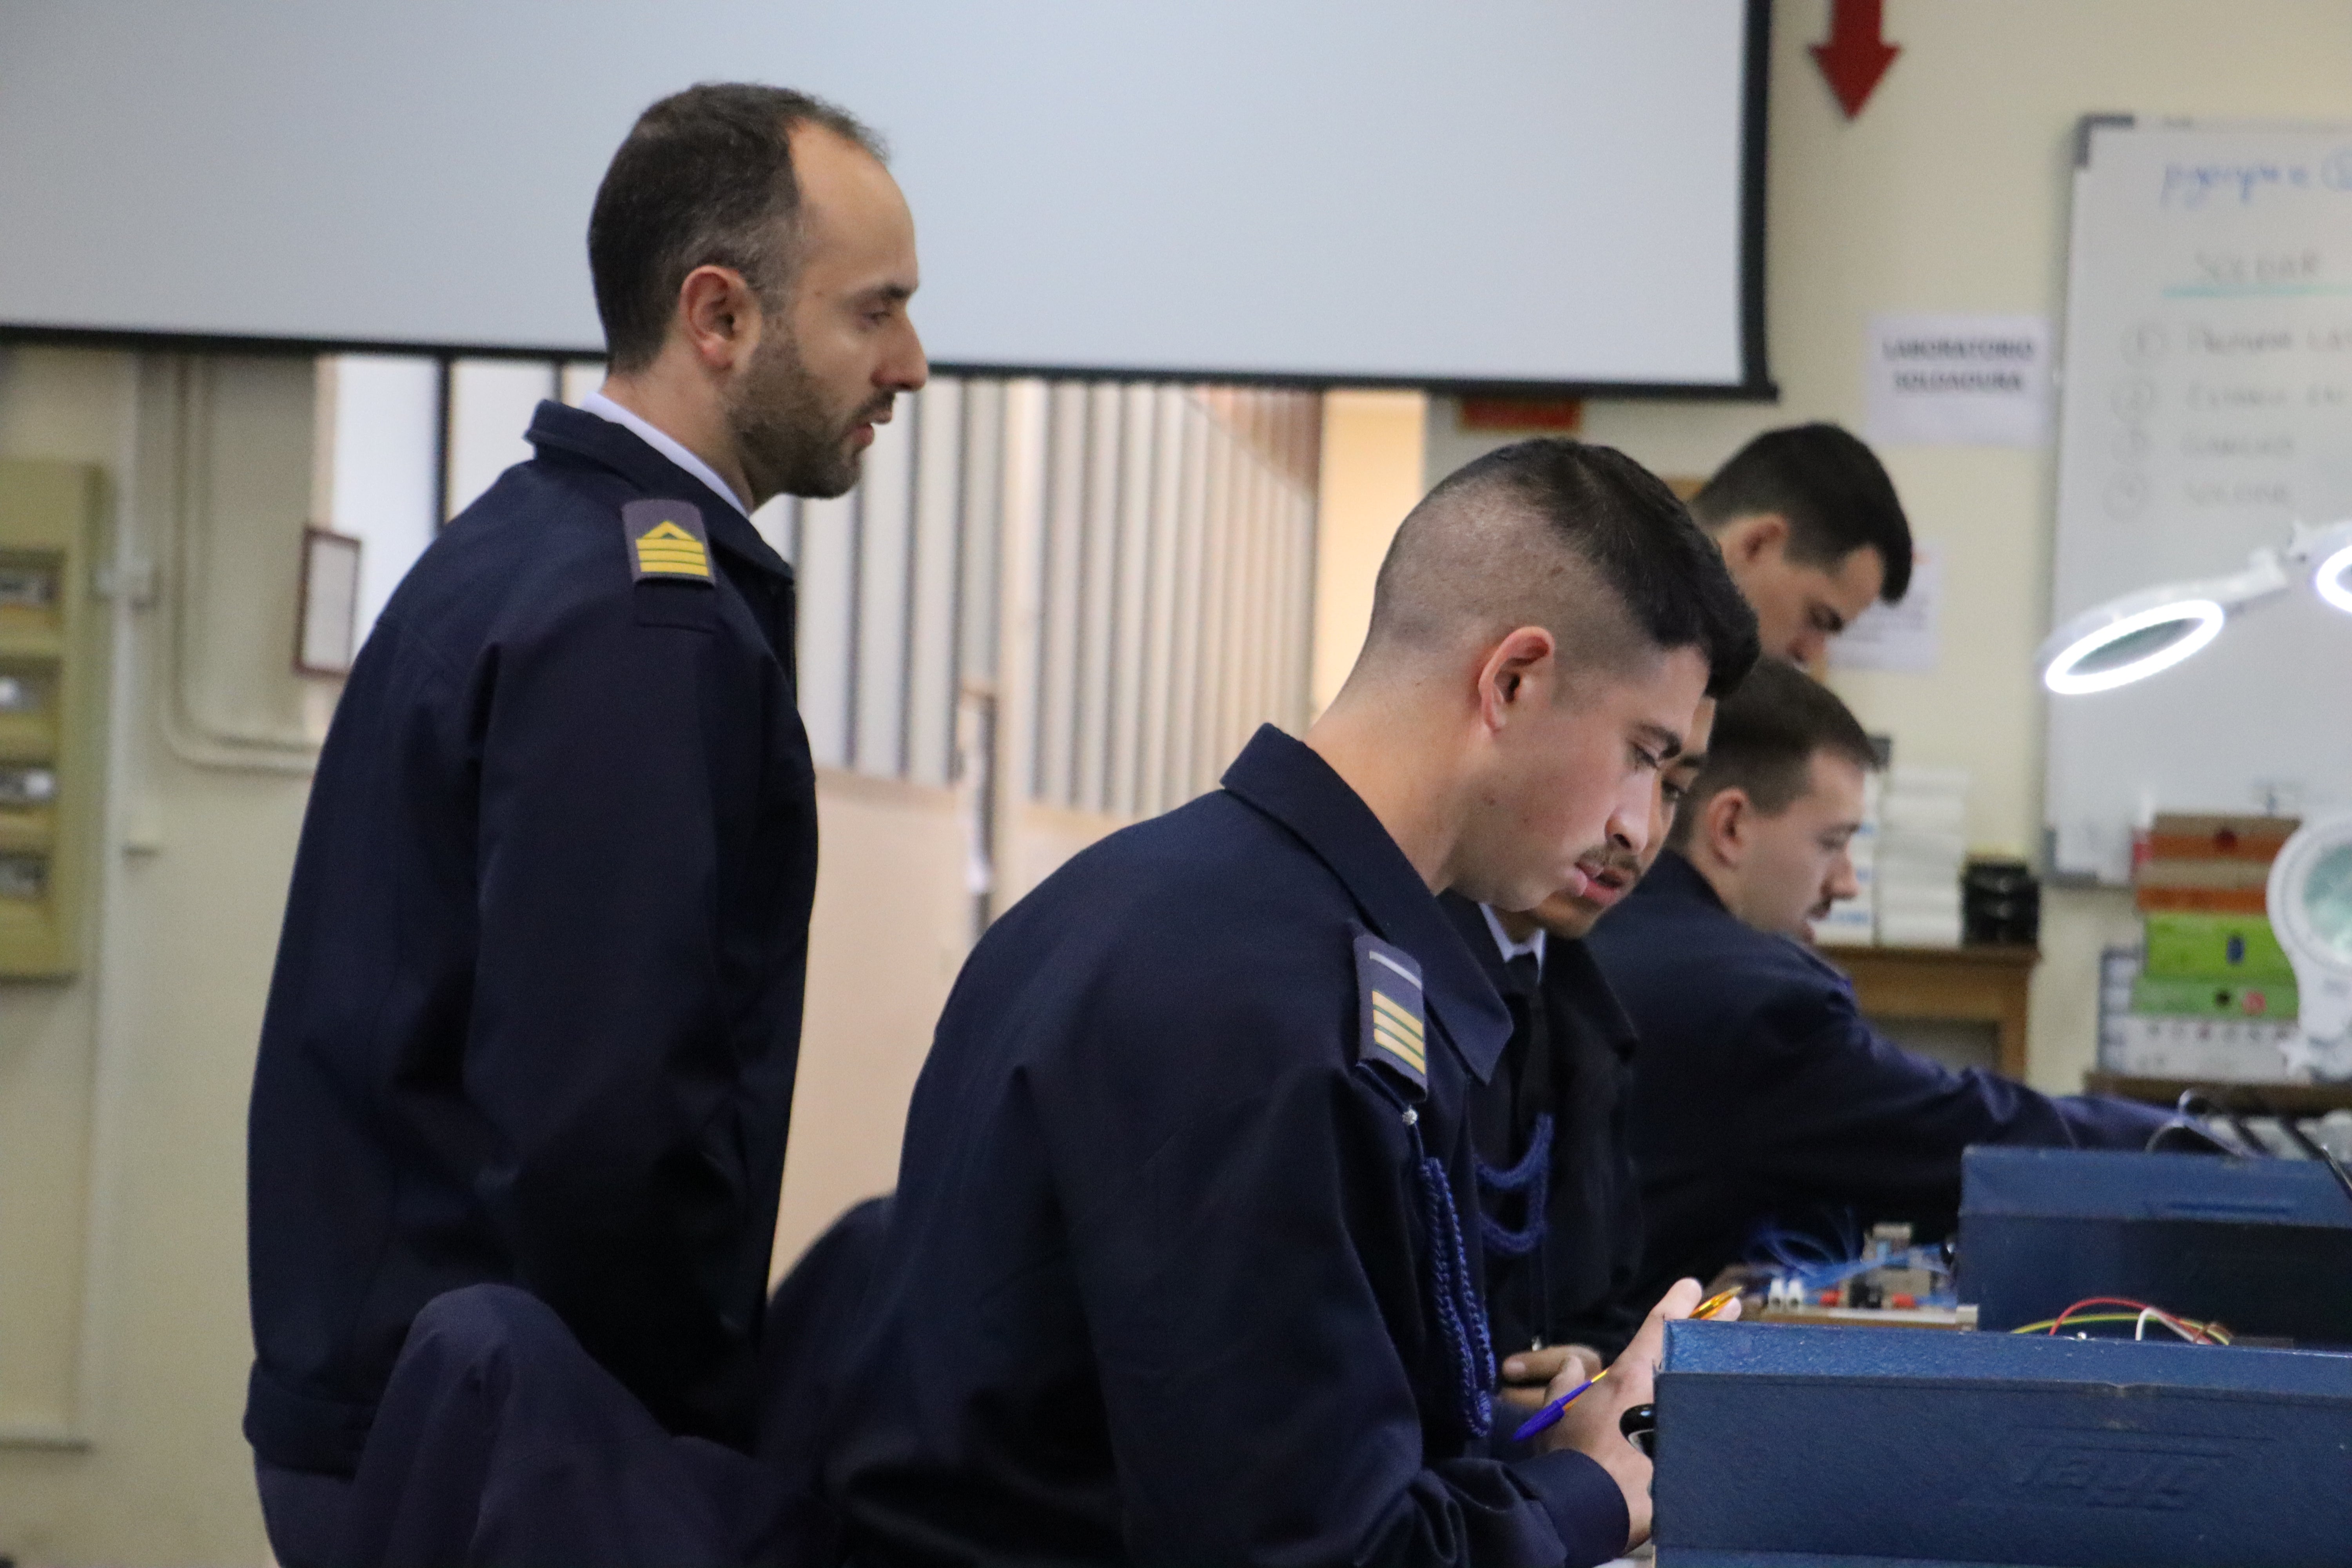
x,y
718,316
1519,670
1750,538
1723,824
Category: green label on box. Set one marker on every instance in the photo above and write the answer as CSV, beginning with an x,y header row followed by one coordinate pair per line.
x,y
2198,946
2169,996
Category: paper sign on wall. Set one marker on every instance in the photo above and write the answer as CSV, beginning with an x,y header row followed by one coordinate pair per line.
x,y
1959,381
1898,636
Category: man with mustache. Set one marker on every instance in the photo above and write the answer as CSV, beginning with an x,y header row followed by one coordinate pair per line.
x,y
1760,1095
1559,1203
526,1073
1176,1272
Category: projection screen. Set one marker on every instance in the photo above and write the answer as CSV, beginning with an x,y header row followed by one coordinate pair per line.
x,y
1511,194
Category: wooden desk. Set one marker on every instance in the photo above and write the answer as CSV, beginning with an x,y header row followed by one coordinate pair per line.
x,y
2246,1098
1968,985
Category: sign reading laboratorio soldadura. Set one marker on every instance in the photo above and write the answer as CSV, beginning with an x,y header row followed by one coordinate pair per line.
x,y
1959,381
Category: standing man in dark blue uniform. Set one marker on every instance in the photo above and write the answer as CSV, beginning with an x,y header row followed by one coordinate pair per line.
x,y
526,1073
1559,1203
1177,1271
1760,1095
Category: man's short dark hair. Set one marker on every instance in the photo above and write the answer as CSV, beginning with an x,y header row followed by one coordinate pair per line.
x,y
1497,545
1832,489
1766,734
704,179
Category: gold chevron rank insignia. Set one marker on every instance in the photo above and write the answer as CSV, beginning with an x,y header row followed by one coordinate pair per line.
x,y
666,540
1393,1033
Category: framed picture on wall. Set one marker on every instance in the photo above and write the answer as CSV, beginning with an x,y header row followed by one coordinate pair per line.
x,y
327,626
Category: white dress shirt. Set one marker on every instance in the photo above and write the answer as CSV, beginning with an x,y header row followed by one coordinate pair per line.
x,y
668,446
1533,946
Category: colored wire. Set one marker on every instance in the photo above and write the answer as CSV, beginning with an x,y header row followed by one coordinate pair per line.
x,y
2210,1333
2186,1328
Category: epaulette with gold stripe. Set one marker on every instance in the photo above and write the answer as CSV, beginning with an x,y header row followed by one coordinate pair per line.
x,y
667,541
1394,1029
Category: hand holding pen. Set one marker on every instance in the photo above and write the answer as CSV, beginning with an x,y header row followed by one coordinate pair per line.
x,y
1550,1413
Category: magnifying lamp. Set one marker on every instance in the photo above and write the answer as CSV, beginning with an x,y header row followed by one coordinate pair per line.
x,y
2310,902
2141,633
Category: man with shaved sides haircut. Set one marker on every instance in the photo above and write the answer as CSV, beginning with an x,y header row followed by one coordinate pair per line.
x,y
1178,1268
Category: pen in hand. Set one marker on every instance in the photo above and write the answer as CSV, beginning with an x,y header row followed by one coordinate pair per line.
x,y
1550,1413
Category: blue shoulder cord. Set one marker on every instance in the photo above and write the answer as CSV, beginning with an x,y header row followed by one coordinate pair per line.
x,y
1460,1315
1529,1176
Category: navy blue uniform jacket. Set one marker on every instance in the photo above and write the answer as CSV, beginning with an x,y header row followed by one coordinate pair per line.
x,y
1577,1286
1761,1096
1156,1286
538,1000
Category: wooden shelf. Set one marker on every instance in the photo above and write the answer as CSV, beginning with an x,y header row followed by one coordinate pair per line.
x,y
1972,983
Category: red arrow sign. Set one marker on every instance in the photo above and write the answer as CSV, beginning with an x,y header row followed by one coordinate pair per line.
x,y
1856,56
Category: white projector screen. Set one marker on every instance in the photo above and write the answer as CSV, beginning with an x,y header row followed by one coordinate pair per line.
x,y
1510,194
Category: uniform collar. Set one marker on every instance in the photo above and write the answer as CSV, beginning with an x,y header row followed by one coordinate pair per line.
x,y
1571,974
615,446
1672,877
662,441
1289,781
1676,877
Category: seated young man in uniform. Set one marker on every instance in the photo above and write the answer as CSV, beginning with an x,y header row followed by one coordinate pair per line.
x,y
1760,1095
1809,524
1177,1268
1559,1203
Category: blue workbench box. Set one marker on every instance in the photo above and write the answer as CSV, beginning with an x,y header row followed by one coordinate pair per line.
x,y
1845,1447
2264,1245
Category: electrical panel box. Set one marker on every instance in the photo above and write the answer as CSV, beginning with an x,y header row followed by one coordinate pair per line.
x,y
1804,1448
2263,1247
49,785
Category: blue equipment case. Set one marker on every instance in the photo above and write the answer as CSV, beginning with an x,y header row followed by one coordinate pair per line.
x,y
2262,1245
1781,1447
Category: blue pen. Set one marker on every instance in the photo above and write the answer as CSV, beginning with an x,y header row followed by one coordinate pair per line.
x,y
1550,1415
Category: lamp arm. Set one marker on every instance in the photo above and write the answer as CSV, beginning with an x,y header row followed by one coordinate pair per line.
x,y
2306,543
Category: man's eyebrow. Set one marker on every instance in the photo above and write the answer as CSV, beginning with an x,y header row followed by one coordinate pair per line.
x,y
1669,744
894,293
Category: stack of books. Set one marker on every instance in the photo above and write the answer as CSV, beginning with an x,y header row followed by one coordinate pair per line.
x,y
1922,845
2210,994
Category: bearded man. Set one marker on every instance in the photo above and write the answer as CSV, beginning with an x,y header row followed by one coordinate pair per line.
x,y
525,1077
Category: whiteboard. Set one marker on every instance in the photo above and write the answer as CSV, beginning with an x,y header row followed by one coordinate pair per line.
x,y
1516,191
2207,401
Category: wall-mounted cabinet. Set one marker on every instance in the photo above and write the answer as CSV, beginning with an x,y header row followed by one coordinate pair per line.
x,y
48,785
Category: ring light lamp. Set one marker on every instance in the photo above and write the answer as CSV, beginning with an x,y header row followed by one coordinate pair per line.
x,y
2334,580
2310,902
2141,633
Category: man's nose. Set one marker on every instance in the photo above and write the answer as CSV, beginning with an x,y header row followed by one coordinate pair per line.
x,y
1843,883
907,368
1629,823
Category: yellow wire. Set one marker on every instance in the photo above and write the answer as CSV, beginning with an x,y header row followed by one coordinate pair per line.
x,y
2212,1329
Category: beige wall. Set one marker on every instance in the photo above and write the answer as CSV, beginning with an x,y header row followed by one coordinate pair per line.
x,y
1950,193
890,929
123,1297
1372,476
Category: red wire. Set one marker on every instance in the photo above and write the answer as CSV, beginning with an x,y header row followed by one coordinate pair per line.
x,y
2195,1331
